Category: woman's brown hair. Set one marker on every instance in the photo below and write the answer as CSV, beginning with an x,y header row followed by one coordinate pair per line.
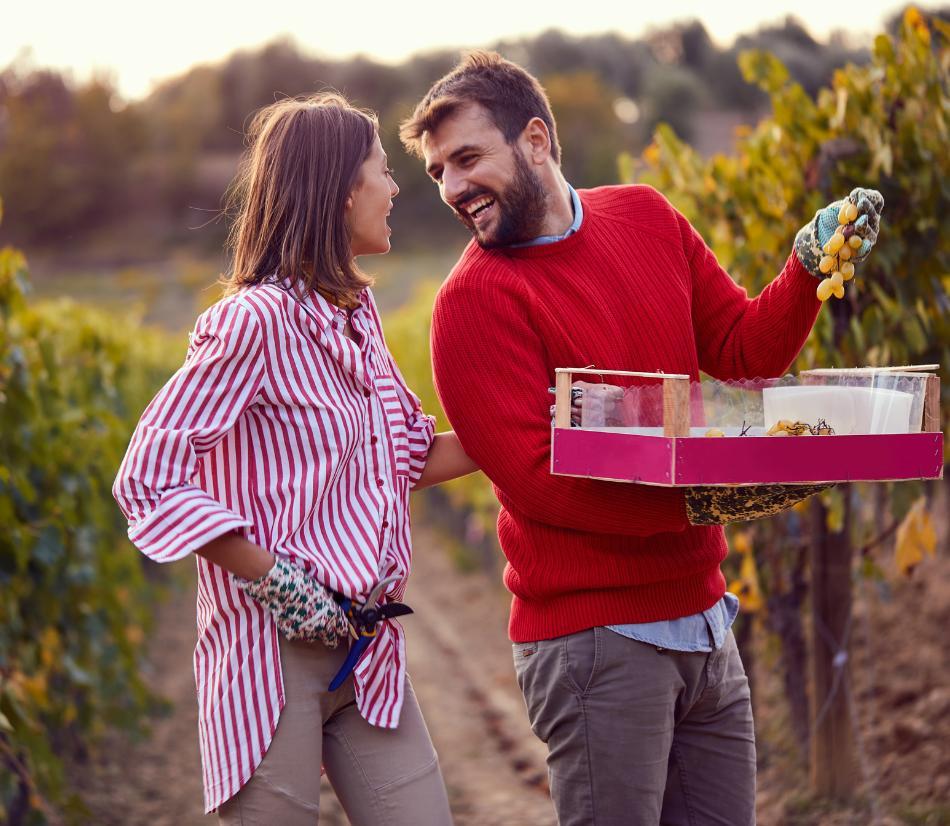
x,y
289,197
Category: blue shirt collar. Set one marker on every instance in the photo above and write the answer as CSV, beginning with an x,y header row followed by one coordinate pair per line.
x,y
550,239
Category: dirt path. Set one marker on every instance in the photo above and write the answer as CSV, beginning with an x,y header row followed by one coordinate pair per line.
x,y
459,662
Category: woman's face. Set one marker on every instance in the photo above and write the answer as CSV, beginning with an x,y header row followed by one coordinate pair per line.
x,y
370,203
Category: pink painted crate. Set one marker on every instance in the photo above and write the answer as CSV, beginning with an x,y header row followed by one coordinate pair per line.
x,y
674,459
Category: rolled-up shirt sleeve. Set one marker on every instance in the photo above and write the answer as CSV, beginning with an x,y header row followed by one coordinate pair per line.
x,y
421,430
419,426
170,516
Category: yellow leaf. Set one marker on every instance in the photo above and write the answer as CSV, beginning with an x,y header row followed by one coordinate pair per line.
x,y
36,689
49,647
916,536
740,542
746,587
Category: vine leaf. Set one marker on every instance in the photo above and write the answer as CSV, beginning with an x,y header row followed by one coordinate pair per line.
x,y
916,537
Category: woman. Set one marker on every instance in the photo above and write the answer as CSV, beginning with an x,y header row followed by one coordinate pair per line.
x,y
282,454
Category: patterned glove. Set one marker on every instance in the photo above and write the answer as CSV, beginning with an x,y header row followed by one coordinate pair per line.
x,y
815,234
301,606
722,505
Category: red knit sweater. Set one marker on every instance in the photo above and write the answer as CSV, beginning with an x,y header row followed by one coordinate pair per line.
x,y
636,288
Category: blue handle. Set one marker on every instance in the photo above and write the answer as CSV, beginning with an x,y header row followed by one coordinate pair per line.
x,y
356,651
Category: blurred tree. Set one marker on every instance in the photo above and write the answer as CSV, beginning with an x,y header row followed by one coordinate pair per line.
x,y
186,135
892,25
64,153
672,95
590,132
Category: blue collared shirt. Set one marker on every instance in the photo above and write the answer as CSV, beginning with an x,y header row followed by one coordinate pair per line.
x,y
697,632
550,239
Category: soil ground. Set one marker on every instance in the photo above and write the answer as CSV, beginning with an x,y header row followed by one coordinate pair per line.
x,y
460,663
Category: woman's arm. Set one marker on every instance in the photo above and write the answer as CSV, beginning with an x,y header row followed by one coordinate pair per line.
x,y
237,555
302,608
169,515
445,460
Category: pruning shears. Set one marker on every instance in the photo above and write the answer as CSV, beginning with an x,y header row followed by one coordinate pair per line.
x,y
364,618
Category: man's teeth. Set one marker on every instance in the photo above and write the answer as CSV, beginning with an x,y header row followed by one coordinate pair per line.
x,y
478,206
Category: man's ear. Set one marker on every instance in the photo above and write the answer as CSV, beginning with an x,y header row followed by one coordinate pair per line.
x,y
537,140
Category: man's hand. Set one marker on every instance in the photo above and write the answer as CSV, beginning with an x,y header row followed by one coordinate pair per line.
x,y
816,233
722,505
302,608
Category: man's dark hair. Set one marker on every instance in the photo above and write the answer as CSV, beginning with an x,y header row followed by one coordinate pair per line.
x,y
509,94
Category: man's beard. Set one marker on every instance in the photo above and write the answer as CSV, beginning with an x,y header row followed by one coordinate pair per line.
x,y
522,208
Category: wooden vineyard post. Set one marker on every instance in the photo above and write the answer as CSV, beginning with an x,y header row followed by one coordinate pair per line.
x,y
831,760
675,406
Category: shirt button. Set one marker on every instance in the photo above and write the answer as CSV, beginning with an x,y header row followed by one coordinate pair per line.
x,y
374,440
379,483
385,523
367,393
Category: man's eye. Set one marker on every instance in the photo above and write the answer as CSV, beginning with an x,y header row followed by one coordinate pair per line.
x,y
389,172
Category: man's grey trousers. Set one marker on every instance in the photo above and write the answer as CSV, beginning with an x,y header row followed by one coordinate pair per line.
x,y
638,735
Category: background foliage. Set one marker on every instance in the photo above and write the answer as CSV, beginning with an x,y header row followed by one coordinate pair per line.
x,y
74,603
77,161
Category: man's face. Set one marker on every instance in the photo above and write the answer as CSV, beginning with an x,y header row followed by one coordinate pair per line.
x,y
487,182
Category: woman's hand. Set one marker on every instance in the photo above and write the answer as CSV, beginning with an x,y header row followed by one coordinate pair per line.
x,y
302,608
446,460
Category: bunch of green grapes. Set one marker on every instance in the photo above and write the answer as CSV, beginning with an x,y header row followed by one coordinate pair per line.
x,y
839,250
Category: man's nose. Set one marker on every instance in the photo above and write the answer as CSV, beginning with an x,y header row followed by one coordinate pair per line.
x,y
453,185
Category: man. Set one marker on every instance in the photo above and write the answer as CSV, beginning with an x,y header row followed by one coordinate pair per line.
x,y
619,613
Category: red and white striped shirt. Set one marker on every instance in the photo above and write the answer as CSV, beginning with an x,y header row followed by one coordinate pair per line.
x,y
305,441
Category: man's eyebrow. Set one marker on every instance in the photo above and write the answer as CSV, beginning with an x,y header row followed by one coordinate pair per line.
x,y
468,147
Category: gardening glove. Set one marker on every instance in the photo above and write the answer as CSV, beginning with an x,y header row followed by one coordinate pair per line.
x,y
817,232
722,505
302,608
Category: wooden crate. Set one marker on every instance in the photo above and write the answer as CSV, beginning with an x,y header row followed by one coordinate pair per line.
x,y
678,459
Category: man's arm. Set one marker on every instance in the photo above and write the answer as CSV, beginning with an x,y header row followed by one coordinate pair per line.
x,y
738,337
492,380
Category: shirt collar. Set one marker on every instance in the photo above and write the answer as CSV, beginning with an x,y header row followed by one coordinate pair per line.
x,y
574,227
322,311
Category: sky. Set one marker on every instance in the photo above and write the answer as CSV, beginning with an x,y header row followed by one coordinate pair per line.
x,y
139,45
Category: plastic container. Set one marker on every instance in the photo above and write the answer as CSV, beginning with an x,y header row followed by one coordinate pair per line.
x,y
848,410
